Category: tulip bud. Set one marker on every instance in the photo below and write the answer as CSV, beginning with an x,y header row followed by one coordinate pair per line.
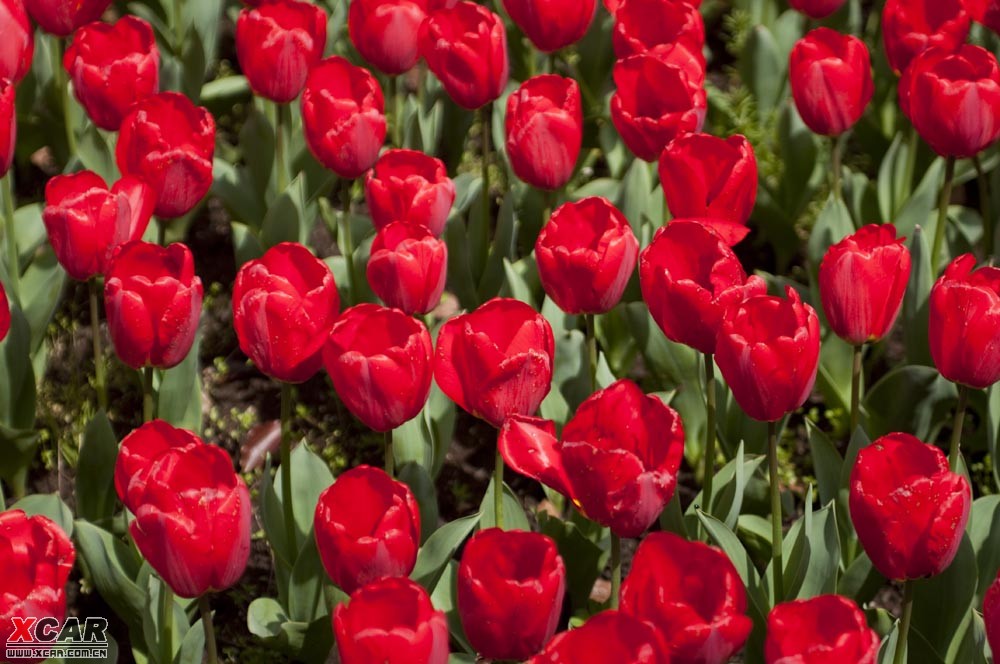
x,y
18,45
284,304
385,32
816,9
609,636
37,558
964,323
647,25
112,66
654,102
862,280
192,519
277,44
137,453
586,255
690,279
62,17
169,143
909,509
692,593
831,79
497,360
343,116
910,27
965,87
768,352
510,592
153,301
706,176
827,628
86,221
544,126
991,614
367,528
411,187
380,362
552,26
617,460
986,12
4,313
8,126
466,48
391,621
408,267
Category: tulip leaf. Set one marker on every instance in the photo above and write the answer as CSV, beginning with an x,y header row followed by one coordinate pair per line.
x,y
310,477
305,588
637,187
514,517
272,520
234,186
460,277
41,292
942,604
820,528
833,225
180,392
49,505
911,399
265,617
257,137
984,533
17,379
728,542
95,472
730,483
827,462
419,480
503,247
894,178
993,427
915,314
193,645
603,187
584,559
286,220
440,548
919,651
861,580
151,620
445,598
113,565
95,154
762,69
921,208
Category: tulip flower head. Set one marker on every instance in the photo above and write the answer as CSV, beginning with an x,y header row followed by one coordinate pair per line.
x,y
408,267
827,628
8,125
409,187
816,9
4,314
544,125
62,17
385,32
910,27
552,26
648,25
137,453
609,636
18,45
991,614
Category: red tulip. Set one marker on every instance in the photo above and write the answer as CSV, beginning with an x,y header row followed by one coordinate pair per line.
x,y
953,99
408,267
510,592
552,26
991,614
647,25
112,66
36,557
692,593
153,301
862,280
284,304
986,12
707,176
617,460
4,313
385,32
192,520
654,103
343,115
497,360
86,221
367,528
277,44
768,352
8,126
18,45
169,143
544,126
137,453
817,9
827,628
690,279
910,27
586,254
391,621
411,187
831,79
62,17
380,362
466,48
909,509
965,323
610,636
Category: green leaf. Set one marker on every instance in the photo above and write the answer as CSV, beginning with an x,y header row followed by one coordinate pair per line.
x,y
421,484
861,580
827,462
49,505
95,154
310,477
180,392
942,603
41,292
833,225
286,220
915,301
728,542
893,185
911,399
440,548
513,514
95,473
151,628
257,142
984,534
584,558
637,187
305,588
193,645
113,565
762,69
17,377
265,617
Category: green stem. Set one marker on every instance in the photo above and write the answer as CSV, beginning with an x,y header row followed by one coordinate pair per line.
x,y
61,81
286,466
592,350
485,113
498,489
985,207
95,327
709,467
911,161
777,565
206,621
166,623
835,171
942,220
390,460
553,60
161,232
348,244
955,448
281,129
148,395
616,569
396,98
179,28
13,262
904,624
855,390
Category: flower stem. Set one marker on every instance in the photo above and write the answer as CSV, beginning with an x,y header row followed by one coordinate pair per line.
x,y
148,395
942,220
485,113
855,390
179,29
390,460
61,82
904,624
592,350
616,569
396,98
286,467
13,261
348,243
835,170
282,126
166,623
777,565
206,621
985,207
955,448
709,463
498,489
95,326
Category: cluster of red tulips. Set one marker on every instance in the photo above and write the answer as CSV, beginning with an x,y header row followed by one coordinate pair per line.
x,y
617,458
